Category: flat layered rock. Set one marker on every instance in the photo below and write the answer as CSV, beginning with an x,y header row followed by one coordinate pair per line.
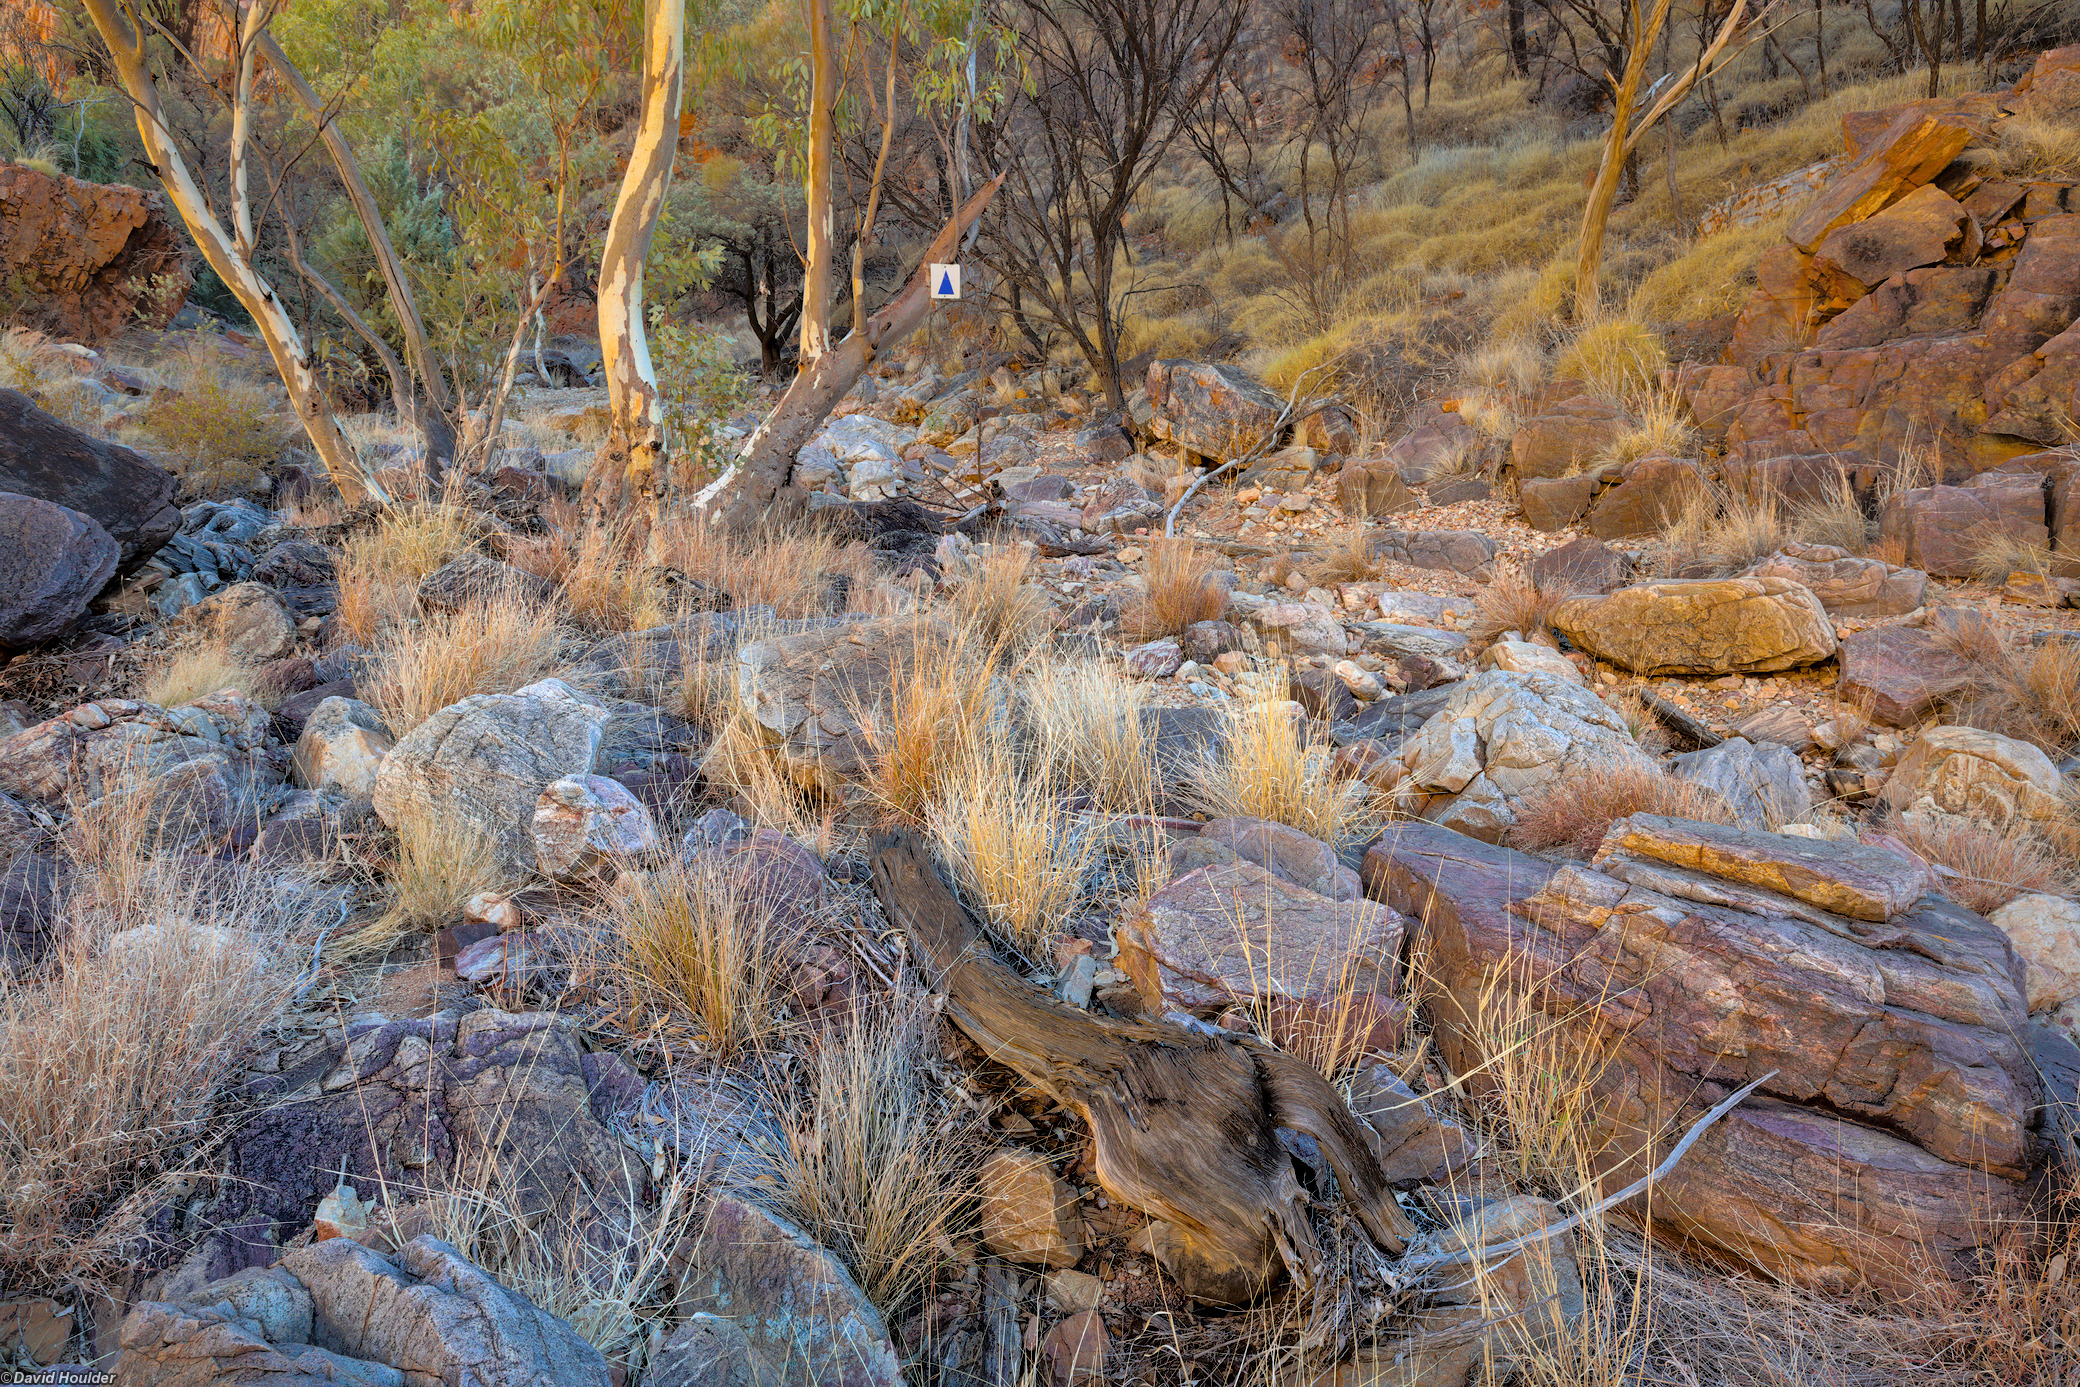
x,y
1898,675
1846,585
1702,626
1847,878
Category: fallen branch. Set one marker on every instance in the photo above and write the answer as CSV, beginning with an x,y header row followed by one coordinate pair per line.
x,y
1286,418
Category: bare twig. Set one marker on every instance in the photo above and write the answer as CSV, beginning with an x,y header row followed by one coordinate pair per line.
x,y
1293,413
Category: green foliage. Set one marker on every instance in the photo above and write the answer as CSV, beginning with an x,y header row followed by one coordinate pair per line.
x,y
701,385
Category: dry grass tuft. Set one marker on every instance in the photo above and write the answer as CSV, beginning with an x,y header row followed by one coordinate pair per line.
x,y
1512,603
1089,729
689,943
1718,534
440,862
1982,868
1345,558
112,1059
501,643
1017,855
1996,557
603,581
1569,817
1506,369
2027,691
380,568
797,575
1181,591
996,601
188,674
1836,518
2033,148
872,1168
940,707
1662,427
1617,358
1269,768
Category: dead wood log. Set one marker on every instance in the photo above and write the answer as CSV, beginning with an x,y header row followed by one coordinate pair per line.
x,y
1184,1127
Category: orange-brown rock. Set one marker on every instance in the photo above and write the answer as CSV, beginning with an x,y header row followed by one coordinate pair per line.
x,y
1703,626
1920,302
1925,227
1898,1126
1564,436
1942,529
1975,112
92,256
1910,152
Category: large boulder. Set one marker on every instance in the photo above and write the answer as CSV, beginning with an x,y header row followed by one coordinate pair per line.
x,y
795,1303
248,621
1437,447
1903,157
1964,772
338,1312
1582,565
1762,782
1456,551
1847,586
483,762
52,562
1235,934
1942,529
1889,1142
1500,737
128,496
1898,675
1214,410
1287,854
1373,488
1651,493
1923,228
341,748
514,1099
1566,437
1702,626
190,772
2045,931
815,696
91,257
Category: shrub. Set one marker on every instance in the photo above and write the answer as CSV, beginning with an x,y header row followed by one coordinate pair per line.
x,y
1615,357
495,645
1181,591
1570,816
214,426
1661,426
1717,534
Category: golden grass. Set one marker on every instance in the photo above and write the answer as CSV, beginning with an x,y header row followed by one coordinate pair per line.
x,y
1835,517
873,1169
493,645
690,944
2027,691
2033,148
1181,591
940,704
441,860
1616,357
1345,557
1715,275
1984,868
1270,768
31,363
603,581
112,1060
1089,727
1569,817
793,573
1661,426
1717,534
186,675
1018,857
996,601
1997,556
380,567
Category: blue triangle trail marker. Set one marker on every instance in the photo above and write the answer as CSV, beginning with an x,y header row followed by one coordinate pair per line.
x,y
945,281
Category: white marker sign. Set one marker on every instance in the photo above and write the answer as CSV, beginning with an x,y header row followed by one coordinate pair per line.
x,y
946,281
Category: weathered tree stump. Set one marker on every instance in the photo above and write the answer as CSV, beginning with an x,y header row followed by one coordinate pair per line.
x,y
1185,1127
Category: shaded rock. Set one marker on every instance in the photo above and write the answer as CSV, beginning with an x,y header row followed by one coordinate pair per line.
x,y
1941,529
1322,695
249,621
765,868
123,492
53,560
1204,641
1847,586
1233,933
341,747
474,578
1763,783
483,762
1965,772
1778,723
1898,675
1581,565
1216,410
89,257
31,909
1410,1141
2045,931
1438,447
794,1302
807,693
1702,626
1028,1214
1075,1350
585,823
1500,737
1287,854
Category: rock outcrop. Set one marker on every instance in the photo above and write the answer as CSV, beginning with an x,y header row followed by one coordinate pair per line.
x,y
1213,410
127,495
1701,626
92,256
1897,1127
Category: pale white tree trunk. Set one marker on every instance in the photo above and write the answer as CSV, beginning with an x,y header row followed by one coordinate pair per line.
x,y
431,405
631,467
125,35
738,497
